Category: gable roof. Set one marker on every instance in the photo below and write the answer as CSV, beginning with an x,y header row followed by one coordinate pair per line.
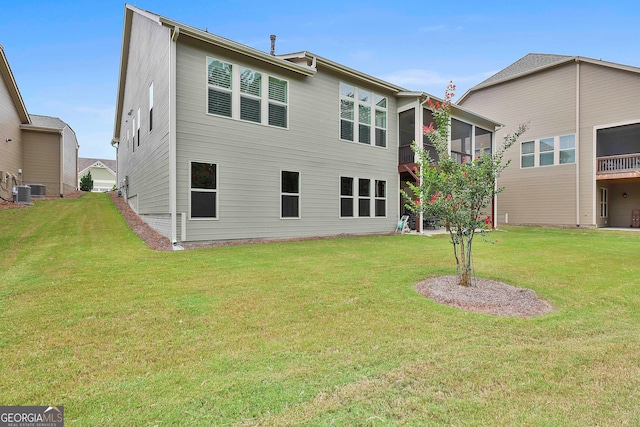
x,y
46,124
85,163
10,81
537,62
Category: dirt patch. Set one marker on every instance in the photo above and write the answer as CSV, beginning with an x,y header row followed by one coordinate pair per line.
x,y
485,296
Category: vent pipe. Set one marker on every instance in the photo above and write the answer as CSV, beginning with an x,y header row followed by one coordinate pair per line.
x,y
273,44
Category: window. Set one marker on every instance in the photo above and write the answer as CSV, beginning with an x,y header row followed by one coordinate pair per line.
x,y
483,142
527,154
364,197
250,93
555,150
138,127
241,93
381,198
134,133
346,197
546,151
381,121
151,107
278,102
204,191
369,125
604,203
128,134
460,141
219,79
567,149
290,195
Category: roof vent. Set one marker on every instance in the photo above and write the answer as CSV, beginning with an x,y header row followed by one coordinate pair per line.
x,y
273,44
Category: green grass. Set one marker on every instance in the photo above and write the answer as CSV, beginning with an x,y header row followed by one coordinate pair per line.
x,y
326,332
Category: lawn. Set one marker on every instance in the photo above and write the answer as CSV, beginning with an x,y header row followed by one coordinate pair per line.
x,y
324,332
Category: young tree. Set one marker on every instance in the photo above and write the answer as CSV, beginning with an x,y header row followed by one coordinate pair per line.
x,y
86,182
456,193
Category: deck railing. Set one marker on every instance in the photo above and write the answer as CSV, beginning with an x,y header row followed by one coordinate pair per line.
x,y
405,155
625,163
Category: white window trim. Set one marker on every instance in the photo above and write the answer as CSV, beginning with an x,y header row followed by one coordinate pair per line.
x,y
299,194
356,197
236,94
206,190
556,152
376,198
151,107
356,116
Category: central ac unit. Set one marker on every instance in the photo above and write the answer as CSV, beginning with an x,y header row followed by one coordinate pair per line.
x,y
23,194
38,190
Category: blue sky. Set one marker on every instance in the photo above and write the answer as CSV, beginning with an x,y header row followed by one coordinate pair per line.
x,y
65,54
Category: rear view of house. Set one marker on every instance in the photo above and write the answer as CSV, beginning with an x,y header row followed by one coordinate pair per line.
x,y
217,141
579,164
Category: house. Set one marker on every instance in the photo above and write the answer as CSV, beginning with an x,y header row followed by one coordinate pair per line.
x,y
33,149
219,141
579,163
103,173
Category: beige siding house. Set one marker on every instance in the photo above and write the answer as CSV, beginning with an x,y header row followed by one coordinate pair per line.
x,y
579,162
33,149
219,141
103,173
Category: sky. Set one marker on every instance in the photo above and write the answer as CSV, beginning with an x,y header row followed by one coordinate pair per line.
x,y
65,54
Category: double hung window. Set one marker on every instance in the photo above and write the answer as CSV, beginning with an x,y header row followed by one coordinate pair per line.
x,y
290,194
203,190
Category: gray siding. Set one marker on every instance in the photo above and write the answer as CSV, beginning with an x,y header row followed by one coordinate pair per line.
x,y
250,157
70,161
10,152
148,166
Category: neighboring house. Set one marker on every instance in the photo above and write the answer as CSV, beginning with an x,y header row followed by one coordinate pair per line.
x,y
217,141
579,162
103,173
33,149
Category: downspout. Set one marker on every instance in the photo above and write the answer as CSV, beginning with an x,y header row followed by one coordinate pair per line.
x,y
577,146
61,163
172,141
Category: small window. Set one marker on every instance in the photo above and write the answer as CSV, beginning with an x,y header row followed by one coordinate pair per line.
x,y
290,194
567,149
150,107
346,197
546,151
381,198
527,154
133,131
364,197
138,127
204,190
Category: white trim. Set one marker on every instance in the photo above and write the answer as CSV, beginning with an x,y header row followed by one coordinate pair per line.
x,y
356,115
173,175
203,190
298,194
236,94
